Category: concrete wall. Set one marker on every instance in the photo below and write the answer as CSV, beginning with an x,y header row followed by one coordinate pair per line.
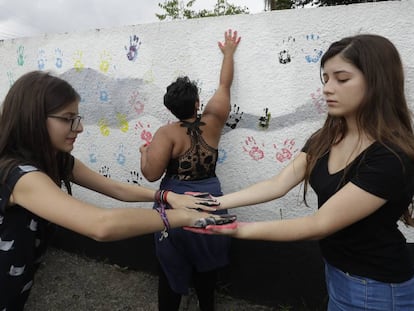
x,y
277,102
122,74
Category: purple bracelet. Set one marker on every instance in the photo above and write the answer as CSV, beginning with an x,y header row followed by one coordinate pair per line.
x,y
163,214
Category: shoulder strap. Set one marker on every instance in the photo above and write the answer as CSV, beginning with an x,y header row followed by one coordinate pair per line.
x,y
193,128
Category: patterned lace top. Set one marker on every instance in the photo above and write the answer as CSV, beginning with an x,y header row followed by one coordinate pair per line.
x,y
198,162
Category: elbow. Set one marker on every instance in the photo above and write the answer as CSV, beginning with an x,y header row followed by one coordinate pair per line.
x,y
150,177
101,236
103,230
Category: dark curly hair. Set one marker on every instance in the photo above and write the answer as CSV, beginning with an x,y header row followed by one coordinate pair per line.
x,y
181,98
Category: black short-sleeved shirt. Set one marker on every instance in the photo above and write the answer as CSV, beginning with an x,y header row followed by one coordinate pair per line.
x,y
373,247
23,241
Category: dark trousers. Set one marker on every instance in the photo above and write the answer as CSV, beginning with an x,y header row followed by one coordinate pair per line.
x,y
204,285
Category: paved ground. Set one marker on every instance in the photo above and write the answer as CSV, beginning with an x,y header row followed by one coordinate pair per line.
x,y
70,282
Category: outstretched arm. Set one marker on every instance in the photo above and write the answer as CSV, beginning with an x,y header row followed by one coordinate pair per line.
x,y
36,192
85,177
219,105
348,206
269,189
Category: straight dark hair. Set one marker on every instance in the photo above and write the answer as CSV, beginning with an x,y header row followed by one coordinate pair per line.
x,y
383,114
24,138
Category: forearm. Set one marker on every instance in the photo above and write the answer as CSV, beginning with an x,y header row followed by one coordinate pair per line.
x,y
269,189
258,193
121,223
227,71
298,229
127,192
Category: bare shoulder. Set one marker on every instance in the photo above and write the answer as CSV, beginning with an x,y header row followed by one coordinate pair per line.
x,y
170,129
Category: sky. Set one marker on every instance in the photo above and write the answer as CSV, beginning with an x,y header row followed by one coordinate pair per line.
x,y
25,18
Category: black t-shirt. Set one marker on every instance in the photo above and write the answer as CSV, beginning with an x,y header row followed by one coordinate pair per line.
x,y
24,239
373,247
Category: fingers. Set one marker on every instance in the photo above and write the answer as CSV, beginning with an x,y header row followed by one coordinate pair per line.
x,y
220,220
231,36
231,39
205,200
198,230
204,208
230,226
228,229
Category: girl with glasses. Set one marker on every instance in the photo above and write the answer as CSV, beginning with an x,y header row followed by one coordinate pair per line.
x,y
39,124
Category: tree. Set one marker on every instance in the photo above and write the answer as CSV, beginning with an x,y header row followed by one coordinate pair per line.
x,y
290,4
272,5
176,9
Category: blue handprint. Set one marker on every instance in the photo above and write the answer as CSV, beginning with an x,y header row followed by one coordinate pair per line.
x,y
59,58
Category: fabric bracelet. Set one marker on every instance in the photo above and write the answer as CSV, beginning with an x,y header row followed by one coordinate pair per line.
x,y
163,214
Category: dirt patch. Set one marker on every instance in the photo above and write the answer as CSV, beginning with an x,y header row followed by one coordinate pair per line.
x,y
67,281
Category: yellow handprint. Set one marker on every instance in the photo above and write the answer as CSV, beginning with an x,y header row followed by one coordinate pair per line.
x,y
103,127
123,123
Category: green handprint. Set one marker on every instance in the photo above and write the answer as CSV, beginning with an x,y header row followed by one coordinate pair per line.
x,y
20,55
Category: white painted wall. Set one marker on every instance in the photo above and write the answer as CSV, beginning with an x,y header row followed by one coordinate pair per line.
x,y
122,98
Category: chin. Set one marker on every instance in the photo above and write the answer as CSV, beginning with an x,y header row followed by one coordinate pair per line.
x,y
333,113
67,149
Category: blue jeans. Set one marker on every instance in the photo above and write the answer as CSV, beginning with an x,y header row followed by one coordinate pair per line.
x,y
354,293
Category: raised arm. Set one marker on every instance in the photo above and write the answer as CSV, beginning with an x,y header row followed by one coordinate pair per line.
x,y
218,106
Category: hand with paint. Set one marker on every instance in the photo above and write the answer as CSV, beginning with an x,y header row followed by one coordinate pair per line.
x,y
231,229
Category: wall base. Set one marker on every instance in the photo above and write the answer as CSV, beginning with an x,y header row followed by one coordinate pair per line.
x,y
267,273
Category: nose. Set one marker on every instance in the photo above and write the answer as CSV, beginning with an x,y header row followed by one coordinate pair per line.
x,y
327,88
79,128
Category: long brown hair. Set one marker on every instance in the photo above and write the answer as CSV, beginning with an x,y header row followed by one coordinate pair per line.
x,y
24,136
383,114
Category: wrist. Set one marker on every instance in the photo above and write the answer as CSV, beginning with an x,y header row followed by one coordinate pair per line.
x,y
160,196
163,214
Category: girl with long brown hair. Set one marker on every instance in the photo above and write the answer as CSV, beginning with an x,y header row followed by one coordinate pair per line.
x,y
361,166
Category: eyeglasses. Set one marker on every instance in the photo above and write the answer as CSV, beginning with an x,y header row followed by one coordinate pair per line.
x,y
74,121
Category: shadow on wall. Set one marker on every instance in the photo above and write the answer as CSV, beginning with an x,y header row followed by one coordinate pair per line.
x,y
266,273
105,99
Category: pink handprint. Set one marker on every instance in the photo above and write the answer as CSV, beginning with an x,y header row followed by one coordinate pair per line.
x,y
253,149
319,101
287,151
145,135
135,103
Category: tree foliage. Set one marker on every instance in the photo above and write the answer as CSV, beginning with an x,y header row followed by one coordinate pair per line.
x,y
290,4
176,9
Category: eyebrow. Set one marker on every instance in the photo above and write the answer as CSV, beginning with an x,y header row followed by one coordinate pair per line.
x,y
71,113
338,72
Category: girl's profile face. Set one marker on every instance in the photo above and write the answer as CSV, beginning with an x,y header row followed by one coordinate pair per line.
x,y
344,87
64,126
